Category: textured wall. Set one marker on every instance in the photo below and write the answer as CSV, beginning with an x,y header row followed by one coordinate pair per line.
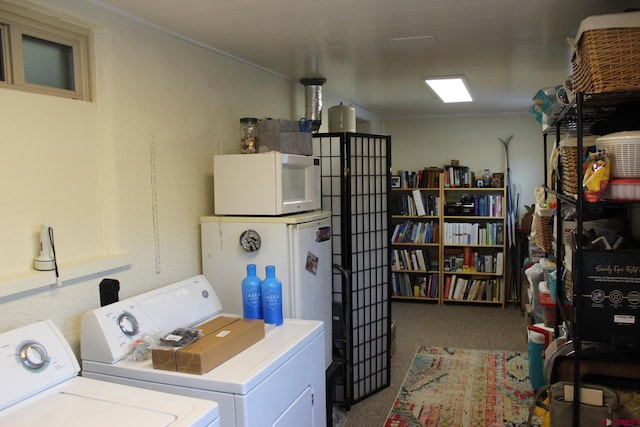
x,y
86,168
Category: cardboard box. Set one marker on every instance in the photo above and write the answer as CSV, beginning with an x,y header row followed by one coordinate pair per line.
x,y
283,136
223,338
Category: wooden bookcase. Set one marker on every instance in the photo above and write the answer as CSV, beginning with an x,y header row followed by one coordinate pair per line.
x,y
454,250
415,241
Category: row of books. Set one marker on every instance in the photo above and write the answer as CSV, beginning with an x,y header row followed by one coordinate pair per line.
x,y
470,289
415,232
411,259
406,285
466,233
425,178
457,177
415,204
473,262
487,205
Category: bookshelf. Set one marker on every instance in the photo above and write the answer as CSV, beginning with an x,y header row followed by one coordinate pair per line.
x,y
453,250
415,241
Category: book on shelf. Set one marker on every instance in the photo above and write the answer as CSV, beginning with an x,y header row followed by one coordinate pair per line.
x,y
422,264
457,176
396,204
499,263
417,200
490,290
401,284
453,286
467,260
404,285
473,290
488,205
410,259
428,177
499,233
447,286
464,233
486,263
461,288
415,232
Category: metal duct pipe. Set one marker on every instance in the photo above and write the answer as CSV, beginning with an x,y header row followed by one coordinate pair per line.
x,y
313,100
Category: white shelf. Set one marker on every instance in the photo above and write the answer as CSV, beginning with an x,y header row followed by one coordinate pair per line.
x,y
30,280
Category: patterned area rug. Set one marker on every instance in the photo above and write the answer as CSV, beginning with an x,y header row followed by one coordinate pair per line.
x,y
464,388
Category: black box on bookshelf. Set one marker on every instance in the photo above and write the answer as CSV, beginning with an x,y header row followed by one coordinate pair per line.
x,y
458,208
452,208
467,209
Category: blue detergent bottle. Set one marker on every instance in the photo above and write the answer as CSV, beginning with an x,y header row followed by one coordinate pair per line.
x,y
251,295
271,289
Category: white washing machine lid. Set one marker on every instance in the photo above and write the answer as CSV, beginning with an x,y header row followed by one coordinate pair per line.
x,y
238,375
39,386
83,401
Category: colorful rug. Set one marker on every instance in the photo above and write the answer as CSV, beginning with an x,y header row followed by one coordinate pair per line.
x,y
464,388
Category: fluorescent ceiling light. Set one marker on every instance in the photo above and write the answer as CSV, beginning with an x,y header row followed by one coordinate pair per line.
x,y
450,89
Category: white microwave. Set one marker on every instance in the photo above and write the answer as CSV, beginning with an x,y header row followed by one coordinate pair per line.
x,y
271,183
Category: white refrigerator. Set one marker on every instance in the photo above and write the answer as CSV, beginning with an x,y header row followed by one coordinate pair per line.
x,y
298,245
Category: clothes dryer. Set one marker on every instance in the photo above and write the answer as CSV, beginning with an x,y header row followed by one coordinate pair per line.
x,y
278,381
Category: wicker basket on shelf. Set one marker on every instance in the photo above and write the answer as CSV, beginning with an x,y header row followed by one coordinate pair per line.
x,y
543,226
568,283
569,161
607,59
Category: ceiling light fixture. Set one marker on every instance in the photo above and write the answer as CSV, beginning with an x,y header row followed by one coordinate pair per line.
x,y
450,88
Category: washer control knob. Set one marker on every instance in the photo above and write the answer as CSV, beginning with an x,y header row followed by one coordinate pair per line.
x,y
33,355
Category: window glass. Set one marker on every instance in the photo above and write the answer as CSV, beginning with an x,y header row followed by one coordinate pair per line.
x,y
293,183
43,54
47,63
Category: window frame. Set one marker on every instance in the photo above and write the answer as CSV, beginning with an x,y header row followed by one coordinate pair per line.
x,y
16,22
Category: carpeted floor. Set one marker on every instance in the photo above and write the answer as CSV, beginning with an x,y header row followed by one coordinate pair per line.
x,y
452,387
457,326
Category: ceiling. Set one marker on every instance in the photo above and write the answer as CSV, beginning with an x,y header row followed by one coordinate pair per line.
x,y
375,53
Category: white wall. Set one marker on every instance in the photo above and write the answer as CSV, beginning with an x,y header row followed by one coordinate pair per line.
x,y
86,167
474,141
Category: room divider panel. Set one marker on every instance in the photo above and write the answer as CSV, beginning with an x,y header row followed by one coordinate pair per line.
x,y
355,187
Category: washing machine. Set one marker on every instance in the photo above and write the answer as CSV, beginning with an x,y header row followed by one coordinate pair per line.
x,y
278,381
39,385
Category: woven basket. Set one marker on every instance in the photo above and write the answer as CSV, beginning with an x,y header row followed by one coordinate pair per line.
x,y
569,160
568,151
543,226
568,283
607,60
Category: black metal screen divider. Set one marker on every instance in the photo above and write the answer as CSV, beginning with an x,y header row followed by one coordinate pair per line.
x,y
355,187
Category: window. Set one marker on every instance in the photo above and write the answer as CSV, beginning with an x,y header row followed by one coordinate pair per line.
x,y
39,53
